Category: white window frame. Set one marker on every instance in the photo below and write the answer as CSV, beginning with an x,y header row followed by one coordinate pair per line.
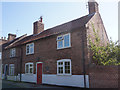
x,y
63,41
11,66
13,52
64,60
29,68
0,55
2,69
29,49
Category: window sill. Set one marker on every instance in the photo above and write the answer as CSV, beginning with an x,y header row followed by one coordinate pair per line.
x,y
28,73
30,54
63,48
13,57
64,74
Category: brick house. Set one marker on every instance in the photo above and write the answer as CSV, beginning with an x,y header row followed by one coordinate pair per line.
x,y
2,41
58,56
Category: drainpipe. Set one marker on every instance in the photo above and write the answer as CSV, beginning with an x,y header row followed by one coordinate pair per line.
x,y
83,57
21,63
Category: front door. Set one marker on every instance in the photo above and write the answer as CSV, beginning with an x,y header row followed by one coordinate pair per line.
x,y
6,70
39,73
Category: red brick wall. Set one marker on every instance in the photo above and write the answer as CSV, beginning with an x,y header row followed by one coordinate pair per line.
x,y
103,76
99,26
6,59
46,52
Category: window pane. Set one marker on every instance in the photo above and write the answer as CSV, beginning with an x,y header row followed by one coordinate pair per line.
x,y
65,63
67,72
60,44
59,63
10,70
31,45
67,67
31,50
13,52
60,38
31,70
26,68
66,40
59,70
31,65
27,48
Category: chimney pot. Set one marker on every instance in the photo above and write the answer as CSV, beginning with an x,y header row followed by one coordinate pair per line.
x,y
41,19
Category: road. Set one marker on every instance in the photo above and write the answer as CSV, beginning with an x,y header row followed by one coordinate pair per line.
x,y
13,84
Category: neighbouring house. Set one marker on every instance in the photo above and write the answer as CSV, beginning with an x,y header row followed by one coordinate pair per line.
x,y
2,41
57,56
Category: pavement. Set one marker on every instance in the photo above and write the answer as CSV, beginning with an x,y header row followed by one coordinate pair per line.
x,y
16,84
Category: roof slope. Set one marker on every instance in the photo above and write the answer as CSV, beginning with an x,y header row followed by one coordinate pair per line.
x,y
55,30
10,43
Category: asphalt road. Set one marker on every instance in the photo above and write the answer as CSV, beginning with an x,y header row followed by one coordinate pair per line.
x,y
13,84
9,84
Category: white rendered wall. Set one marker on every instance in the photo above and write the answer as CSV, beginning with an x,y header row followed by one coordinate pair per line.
x,y
11,78
29,78
2,76
73,80
66,80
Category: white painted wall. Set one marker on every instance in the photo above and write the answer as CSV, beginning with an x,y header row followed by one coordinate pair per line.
x,y
3,76
73,80
11,78
29,78
66,80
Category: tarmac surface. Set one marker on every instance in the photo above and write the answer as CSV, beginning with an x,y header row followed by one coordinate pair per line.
x,y
13,84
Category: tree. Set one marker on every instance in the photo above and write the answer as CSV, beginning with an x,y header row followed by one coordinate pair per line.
x,y
104,54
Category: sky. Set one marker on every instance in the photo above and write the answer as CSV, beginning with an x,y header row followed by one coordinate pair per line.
x,y
18,17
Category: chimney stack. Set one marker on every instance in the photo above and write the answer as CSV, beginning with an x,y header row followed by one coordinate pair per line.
x,y
4,38
93,6
11,36
38,26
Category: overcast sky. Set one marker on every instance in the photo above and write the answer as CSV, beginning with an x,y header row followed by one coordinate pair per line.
x,y
18,17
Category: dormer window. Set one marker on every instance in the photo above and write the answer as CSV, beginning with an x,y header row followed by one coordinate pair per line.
x,y
12,52
63,41
30,48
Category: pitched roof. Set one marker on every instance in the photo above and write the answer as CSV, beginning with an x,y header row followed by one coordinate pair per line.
x,y
55,30
10,43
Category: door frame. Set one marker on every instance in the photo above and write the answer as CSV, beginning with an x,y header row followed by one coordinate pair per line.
x,y
36,69
6,71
